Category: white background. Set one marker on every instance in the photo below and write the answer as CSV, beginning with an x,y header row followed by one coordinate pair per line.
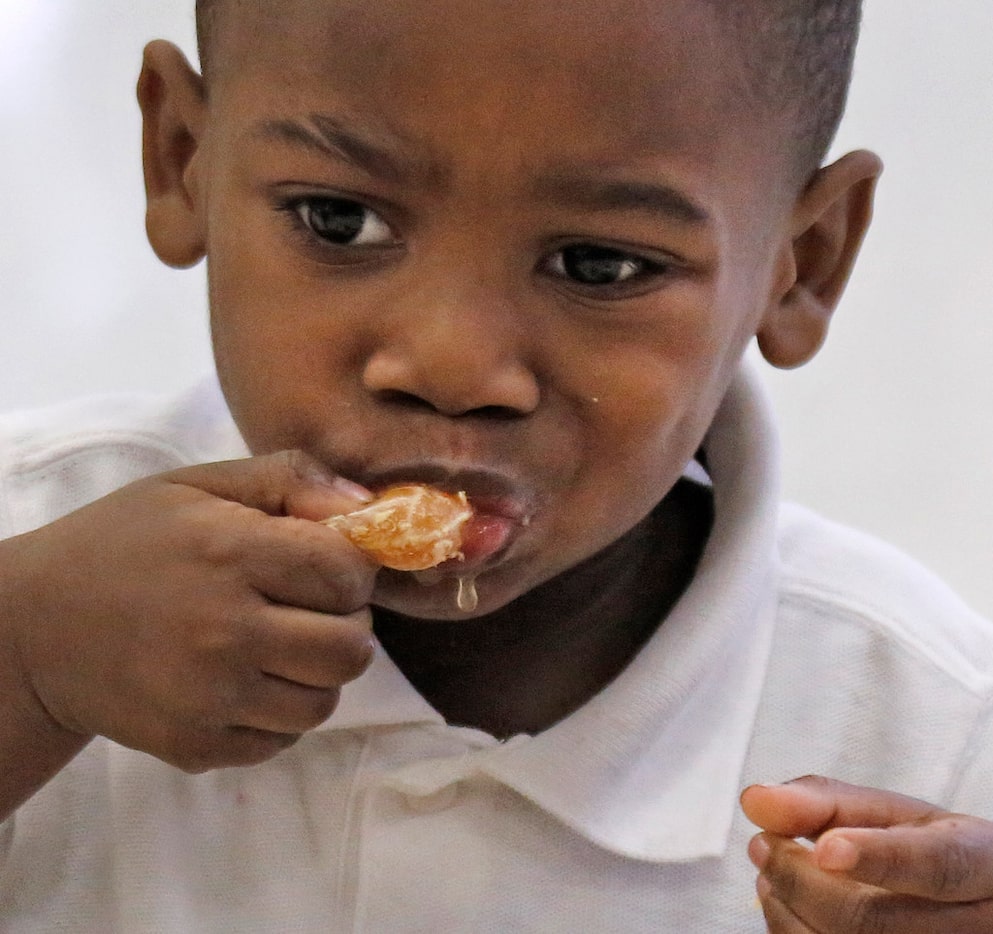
x,y
890,429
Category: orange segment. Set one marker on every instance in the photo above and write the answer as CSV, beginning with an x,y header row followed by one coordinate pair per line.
x,y
408,528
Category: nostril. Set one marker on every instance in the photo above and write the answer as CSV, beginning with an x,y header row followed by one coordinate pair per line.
x,y
495,412
409,400
451,382
404,399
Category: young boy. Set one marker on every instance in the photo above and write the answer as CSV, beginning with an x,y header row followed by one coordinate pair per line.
x,y
516,251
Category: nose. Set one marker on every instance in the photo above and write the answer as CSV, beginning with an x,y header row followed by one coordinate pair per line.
x,y
458,356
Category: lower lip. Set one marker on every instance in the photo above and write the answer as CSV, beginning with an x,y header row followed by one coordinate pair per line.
x,y
483,538
486,535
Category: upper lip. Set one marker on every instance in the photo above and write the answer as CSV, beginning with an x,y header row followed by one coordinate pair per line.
x,y
490,492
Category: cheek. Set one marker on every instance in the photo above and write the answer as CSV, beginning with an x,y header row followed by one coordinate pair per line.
x,y
642,424
274,366
281,341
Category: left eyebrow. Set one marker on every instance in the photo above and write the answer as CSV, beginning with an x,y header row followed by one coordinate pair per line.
x,y
596,194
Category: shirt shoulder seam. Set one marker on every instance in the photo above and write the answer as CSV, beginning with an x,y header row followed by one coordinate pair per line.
x,y
876,617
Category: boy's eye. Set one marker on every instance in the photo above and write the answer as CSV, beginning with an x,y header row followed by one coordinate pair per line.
x,y
591,265
344,222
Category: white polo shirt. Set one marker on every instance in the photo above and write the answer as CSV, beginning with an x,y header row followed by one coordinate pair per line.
x,y
800,647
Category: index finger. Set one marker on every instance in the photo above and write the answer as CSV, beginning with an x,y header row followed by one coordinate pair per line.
x,y
808,806
288,483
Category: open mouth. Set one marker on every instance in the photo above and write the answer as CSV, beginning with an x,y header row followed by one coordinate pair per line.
x,y
501,508
485,536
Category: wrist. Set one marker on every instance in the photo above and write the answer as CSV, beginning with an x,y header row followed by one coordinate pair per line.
x,y
34,745
20,607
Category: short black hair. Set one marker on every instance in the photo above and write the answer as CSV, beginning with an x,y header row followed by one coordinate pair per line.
x,y
798,57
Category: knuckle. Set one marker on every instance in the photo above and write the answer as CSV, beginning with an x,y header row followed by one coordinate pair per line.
x,y
253,747
786,888
224,650
193,766
953,871
217,535
813,781
197,756
287,470
864,915
354,656
889,867
319,706
235,746
348,579
298,464
238,696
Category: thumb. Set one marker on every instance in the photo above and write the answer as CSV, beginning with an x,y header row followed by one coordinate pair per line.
x,y
288,483
806,807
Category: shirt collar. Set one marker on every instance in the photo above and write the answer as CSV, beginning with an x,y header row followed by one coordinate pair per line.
x,y
651,767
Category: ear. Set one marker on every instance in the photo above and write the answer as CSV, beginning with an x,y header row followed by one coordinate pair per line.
x,y
171,96
829,223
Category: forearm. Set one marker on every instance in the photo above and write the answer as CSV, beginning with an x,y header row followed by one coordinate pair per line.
x,y
33,746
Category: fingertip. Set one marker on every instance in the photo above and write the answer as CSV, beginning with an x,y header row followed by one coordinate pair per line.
x,y
761,795
759,849
321,493
836,853
751,801
315,473
344,489
750,791
788,809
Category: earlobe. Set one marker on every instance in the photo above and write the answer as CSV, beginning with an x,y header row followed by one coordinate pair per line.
x,y
171,96
829,224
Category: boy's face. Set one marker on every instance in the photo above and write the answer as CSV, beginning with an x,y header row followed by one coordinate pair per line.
x,y
520,255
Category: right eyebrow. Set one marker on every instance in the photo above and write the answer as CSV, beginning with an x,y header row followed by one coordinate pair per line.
x,y
331,138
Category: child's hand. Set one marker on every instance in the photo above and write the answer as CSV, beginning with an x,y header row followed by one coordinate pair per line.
x,y
893,863
195,616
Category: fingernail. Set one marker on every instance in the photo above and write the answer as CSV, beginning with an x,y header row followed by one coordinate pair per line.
x,y
349,490
758,851
837,853
340,487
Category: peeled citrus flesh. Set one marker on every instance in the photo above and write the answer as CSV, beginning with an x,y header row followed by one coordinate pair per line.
x,y
408,528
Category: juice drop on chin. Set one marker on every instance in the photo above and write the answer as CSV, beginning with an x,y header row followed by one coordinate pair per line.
x,y
467,598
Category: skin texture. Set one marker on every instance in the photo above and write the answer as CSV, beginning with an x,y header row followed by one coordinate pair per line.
x,y
196,616
452,347
450,344
882,862
455,344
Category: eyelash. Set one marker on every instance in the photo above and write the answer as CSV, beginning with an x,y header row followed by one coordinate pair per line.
x,y
302,211
638,273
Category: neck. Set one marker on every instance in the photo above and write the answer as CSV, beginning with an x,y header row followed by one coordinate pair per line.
x,y
534,661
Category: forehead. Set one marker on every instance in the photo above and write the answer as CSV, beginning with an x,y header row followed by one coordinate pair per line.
x,y
615,50
630,76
